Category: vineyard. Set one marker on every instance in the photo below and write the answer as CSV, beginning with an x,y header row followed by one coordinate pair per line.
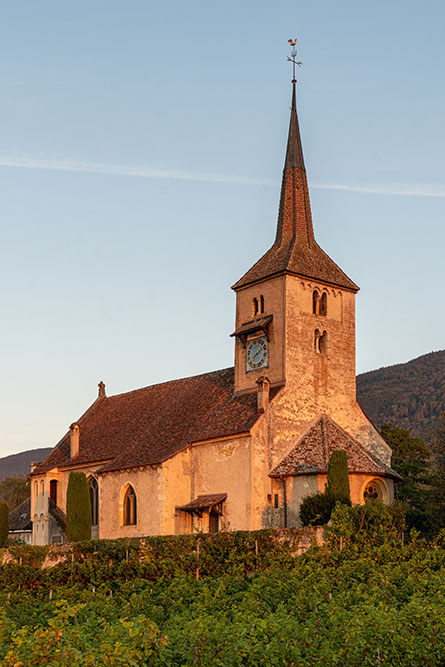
x,y
371,595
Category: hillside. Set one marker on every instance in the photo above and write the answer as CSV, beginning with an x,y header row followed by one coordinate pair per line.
x,y
18,465
410,395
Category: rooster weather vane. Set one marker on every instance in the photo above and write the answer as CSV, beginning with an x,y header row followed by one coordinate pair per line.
x,y
293,56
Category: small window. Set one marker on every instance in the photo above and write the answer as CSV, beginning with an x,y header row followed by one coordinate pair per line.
x,y
276,500
323,343
315,302
255,307
261,304
317,340
36,488
130,509
324,304
42,487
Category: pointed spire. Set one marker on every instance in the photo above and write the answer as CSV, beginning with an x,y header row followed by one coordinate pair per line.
x,y
294,153
295,249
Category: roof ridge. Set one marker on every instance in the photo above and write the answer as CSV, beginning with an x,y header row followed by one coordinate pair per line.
x,y
165,382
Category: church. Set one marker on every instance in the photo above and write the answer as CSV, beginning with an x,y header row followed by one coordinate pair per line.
x,y
238,448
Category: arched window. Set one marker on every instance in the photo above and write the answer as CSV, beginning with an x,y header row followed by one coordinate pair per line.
x,y
324,304
94,500
36,488
261,304
42,486
317,340
130,508
255,307
323,343
315,302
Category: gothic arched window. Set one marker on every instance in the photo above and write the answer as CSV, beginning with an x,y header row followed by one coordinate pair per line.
x,y
372,492
324,304
94,500
130,507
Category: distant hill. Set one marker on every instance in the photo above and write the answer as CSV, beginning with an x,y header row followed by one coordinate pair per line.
x,y
410,395
18,465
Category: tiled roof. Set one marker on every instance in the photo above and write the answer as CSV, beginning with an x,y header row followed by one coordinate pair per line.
x,y
295,249
311,454
20,517
149,425
204,502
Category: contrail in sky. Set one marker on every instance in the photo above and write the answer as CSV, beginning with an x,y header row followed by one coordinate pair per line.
x,y
56,164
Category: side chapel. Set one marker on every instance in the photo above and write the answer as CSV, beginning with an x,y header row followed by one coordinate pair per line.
x,y
237,448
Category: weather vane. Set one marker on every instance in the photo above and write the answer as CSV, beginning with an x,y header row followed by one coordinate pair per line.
x,y
292,57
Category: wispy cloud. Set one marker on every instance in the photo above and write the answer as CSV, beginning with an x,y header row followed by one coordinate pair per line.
x,y
141,171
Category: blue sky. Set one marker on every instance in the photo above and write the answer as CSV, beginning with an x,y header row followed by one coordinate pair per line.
x,y
141,149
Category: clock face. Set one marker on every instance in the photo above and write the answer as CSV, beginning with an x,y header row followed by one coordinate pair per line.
x,y
256,356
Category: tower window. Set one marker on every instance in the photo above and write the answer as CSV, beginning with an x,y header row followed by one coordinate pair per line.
x,y
321,342
255,307
317,340
276,500
261,304
324,304
315,302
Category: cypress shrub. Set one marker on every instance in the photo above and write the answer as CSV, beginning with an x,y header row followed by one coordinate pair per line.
x,y
316,510
338,477
4,524
78,508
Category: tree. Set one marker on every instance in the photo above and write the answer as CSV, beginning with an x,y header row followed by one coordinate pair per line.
x,y
4,524
436,496
14,490
410,458
316,510
78,508
338,477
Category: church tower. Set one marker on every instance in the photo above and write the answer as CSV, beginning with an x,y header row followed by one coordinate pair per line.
x,y
295,315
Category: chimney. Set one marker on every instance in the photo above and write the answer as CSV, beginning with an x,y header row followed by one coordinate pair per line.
x,y
263,387
101,386
74,440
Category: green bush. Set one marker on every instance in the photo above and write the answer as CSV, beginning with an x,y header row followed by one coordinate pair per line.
x,y
4,524
316,510
78,508
338,477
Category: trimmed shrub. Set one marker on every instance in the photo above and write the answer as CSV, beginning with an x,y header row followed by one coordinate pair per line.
x,y
338,477
78,508
316,510
4,524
